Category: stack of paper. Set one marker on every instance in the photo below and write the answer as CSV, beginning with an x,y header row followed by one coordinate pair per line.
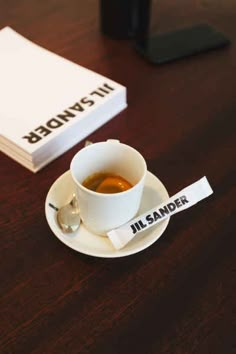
x,y
47,103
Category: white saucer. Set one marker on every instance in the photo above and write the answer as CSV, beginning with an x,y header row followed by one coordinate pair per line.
x,y
91,244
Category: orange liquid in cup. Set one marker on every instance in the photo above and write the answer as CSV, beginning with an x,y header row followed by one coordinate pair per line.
x,y
103,182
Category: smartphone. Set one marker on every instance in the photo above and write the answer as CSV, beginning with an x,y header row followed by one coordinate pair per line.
x,y
169,46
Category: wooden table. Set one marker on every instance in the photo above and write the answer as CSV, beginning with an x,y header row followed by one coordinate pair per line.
x,y
177,296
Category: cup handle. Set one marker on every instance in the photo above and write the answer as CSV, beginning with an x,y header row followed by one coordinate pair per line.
x,y
87,142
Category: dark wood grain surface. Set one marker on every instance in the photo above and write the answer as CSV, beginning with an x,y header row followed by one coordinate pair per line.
x,y
177,296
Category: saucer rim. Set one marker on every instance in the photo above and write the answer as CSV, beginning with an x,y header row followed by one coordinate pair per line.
x,y
116,253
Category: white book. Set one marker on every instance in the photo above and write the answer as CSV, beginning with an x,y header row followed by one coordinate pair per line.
x,y
48,103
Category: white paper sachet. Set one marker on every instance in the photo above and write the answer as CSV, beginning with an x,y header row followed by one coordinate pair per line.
x,y
180,201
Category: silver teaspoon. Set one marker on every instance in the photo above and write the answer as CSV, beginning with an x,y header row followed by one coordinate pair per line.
x,y
68,216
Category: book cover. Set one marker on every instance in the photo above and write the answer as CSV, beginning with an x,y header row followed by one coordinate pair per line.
x,y
48,103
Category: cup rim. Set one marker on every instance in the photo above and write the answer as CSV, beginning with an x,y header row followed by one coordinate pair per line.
x,y
108,195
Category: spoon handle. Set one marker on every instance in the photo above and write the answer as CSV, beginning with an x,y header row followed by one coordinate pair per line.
x,y
53,206
74,201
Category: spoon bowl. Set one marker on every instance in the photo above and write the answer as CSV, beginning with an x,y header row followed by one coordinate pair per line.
x,y
68,216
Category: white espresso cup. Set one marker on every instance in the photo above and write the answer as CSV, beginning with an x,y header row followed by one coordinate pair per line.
x,y
102,212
